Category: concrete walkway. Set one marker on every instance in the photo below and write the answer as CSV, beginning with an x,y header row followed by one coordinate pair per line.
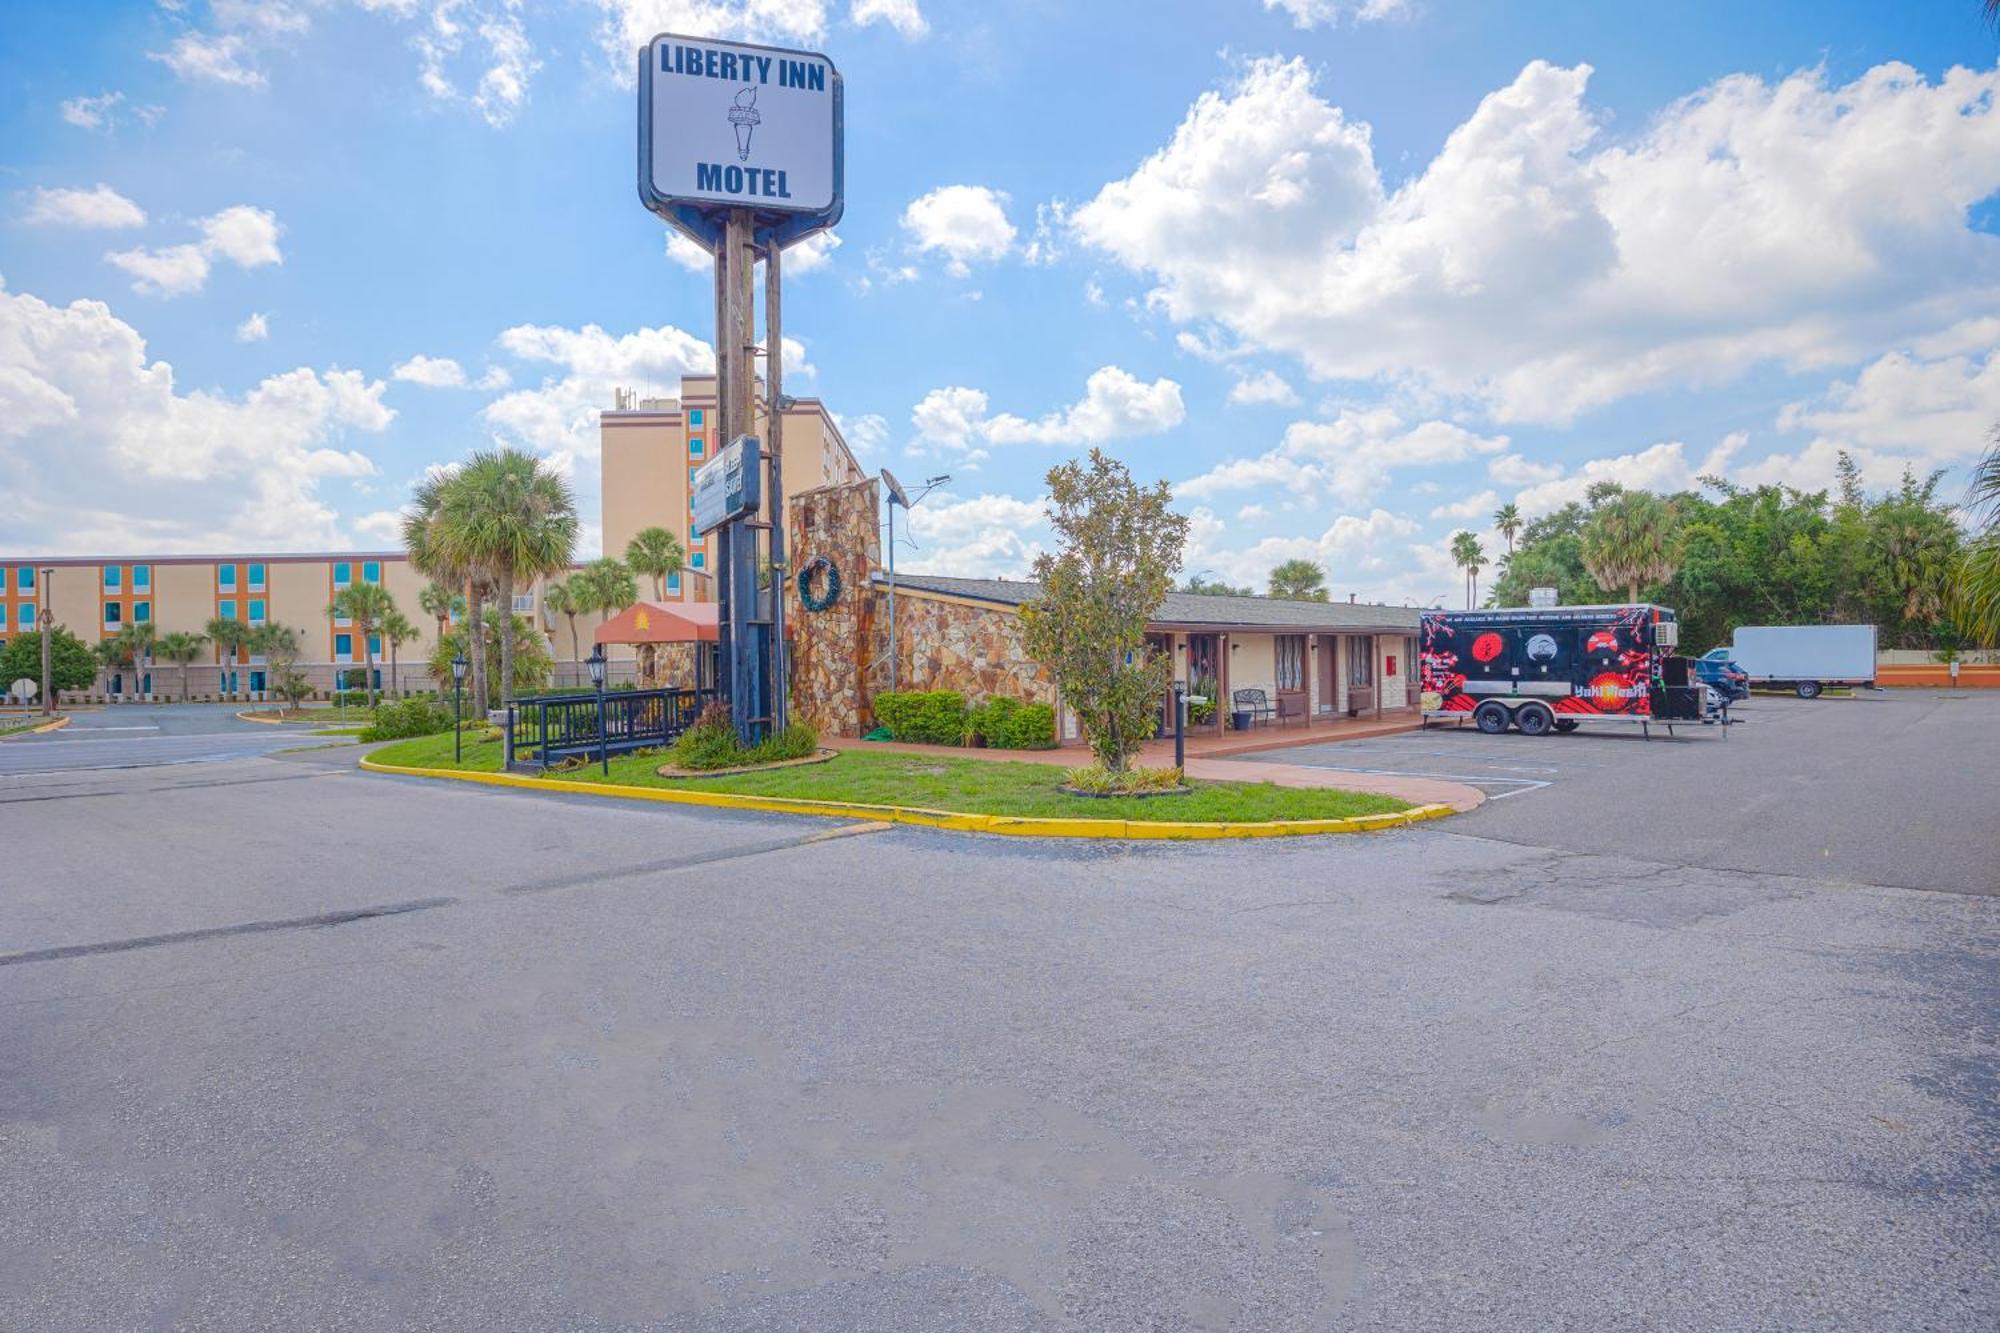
x,y
1417,791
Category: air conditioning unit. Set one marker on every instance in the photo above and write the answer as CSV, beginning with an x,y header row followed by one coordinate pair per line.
x,y
1667,634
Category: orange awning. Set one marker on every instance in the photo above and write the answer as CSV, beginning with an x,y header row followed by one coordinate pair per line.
x,y
661,622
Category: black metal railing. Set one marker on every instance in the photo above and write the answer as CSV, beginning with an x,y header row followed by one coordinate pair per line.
x,y
547,730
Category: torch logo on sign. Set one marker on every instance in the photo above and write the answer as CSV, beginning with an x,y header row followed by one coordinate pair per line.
x,y
746,118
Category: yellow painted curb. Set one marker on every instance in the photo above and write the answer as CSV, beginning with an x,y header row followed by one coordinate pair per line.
x,y
260,718
1028,826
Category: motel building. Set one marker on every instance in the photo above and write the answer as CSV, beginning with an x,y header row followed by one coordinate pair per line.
x,y
1293,666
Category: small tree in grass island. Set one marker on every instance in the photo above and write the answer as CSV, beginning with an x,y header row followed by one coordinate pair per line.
x,y
1120,548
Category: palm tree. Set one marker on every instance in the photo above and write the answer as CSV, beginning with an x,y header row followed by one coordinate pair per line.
x,y
278,645
229,635
1468,555
655,552
181,648
1507,522
440,603
1975,592
367,605
609,587
424,537
509,517
135,644
561,599
1631,539
396,631
1299,580
110,655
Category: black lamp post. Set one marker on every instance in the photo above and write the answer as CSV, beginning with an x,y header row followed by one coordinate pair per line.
x,y
458,665
596,664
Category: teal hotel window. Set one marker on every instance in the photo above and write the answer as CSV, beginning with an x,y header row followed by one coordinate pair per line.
x,y
225,577
371,571
695,447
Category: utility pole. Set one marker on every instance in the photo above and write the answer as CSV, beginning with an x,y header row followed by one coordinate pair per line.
x,y
774,417
45,625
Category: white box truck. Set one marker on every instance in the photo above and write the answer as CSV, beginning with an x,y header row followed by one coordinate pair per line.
x,y
1805,658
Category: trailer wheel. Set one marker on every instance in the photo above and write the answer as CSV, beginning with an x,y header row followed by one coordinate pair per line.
x,y
1491,718
1807,689
1535,720
1566,725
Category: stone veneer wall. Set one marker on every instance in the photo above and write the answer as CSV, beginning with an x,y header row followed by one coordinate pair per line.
x,y
828,667
840,655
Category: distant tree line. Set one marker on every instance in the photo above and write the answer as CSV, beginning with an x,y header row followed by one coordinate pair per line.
x,y
1764,555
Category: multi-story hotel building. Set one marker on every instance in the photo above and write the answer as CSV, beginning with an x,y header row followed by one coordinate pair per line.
x,y
651,447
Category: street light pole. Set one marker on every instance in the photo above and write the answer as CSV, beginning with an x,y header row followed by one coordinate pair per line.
x,y
42,601
596,664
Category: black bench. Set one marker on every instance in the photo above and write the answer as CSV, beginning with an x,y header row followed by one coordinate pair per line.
x,y
1256,703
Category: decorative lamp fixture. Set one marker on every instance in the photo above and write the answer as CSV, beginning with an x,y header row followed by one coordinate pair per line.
x,y
596,664
458,665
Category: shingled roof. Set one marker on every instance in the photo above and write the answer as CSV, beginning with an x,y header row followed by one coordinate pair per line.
x,y
1197,611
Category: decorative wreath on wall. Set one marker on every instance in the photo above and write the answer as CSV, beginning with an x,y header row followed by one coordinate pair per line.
x,y
829,580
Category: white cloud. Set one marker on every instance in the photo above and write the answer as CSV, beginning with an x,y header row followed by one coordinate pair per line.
x,y
104,452
1314,13
432,372
1662,467
198,57
1471,507
1349,458
383,525
1937,410
965,223
175,270
902,15
99,207
254,329
864,434
1545,271
500,67
1519,470
982,536
1267,388
1115,404
559,417
1366,553
92,113
246,236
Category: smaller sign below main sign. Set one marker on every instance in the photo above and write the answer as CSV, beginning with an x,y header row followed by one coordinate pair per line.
x,y
729,485
1543,597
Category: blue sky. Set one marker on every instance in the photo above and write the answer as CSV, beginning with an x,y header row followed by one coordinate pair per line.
x,y
1350,274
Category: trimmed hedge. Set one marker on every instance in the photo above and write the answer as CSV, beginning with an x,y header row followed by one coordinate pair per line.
x,y
1008,724
927,717
711,743
410,717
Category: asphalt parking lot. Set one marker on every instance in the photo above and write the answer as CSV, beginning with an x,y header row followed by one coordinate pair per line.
x,y
288,1045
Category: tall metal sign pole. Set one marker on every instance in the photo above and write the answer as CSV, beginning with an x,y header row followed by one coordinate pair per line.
x,y
740,148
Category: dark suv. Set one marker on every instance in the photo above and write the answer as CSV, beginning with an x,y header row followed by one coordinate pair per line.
x,y
1721,674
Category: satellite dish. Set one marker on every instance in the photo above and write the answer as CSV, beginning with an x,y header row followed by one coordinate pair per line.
x,y
897,495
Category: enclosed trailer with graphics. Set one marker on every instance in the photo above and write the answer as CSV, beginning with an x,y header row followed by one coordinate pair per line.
x,y
1551,669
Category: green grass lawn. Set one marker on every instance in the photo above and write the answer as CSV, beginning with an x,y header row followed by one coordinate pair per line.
x,y
18,728
968,786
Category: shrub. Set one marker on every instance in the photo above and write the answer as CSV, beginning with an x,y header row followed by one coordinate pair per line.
x,y
711,743
927,717
1101,781
410,717
1008,724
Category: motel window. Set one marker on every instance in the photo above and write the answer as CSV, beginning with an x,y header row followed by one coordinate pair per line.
x,y
1361,661
524,603
142,578
3,618
343,574
225,577
225,610
113,578
1291,661
256,682
25,582
375,644
673,583
691,472
256,578
3,578
698,560
27,616
113,613
695,447
371,571
694,416
256,610
1410,662
343,647
142,612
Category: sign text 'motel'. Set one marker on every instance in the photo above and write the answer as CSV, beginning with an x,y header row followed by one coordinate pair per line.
x,y
732,124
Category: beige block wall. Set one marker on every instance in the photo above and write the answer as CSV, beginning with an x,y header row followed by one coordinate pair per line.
x,y
645,482
296,594
75,604
183,597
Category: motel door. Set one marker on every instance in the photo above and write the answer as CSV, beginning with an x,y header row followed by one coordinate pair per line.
x,y
1361,674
